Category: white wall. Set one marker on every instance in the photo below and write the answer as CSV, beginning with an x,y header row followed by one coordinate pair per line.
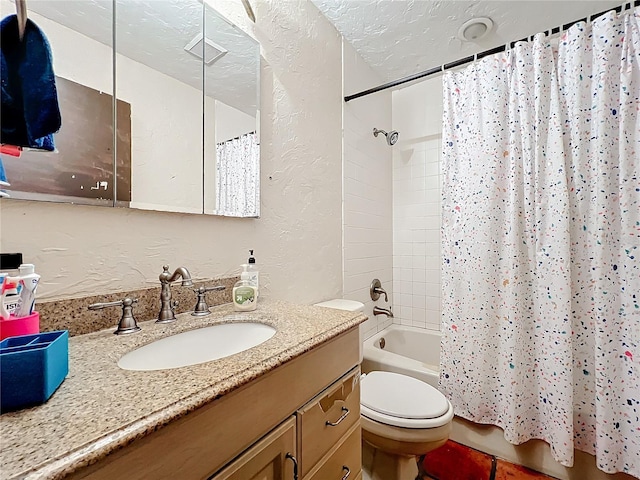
x,y
231,122
367,191
417,115
82,250
166,138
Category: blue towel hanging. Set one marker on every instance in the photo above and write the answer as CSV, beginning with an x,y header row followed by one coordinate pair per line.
x,y
30,111
3,176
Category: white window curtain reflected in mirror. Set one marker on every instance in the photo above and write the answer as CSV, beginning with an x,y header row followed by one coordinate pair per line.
x,y
238,177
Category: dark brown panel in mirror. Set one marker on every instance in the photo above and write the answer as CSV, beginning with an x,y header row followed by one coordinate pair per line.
x,y
81,168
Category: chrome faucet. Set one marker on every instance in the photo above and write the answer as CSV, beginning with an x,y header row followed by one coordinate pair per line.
x,y
382,311
167,310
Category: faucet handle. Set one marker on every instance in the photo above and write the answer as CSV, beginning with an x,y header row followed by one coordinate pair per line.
x,y
376,289
164,276
202,309
127,322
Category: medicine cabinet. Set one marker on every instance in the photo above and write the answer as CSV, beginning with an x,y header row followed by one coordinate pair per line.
x,y
179,86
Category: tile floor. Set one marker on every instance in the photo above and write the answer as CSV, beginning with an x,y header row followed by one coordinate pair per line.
x,y
454,461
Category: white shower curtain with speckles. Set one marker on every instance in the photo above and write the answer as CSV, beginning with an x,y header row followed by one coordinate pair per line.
x,y
238,177
541,242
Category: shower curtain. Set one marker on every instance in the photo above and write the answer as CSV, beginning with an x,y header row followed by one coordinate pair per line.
x,y
541,236
238,177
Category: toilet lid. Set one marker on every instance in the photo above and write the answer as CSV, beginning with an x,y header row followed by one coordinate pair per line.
x,y
401,396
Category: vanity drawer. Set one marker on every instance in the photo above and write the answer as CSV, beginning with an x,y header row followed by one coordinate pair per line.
x,y
345,462
327,418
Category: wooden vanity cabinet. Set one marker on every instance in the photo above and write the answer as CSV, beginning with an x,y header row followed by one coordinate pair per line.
x,y
271,458
322,440
247,433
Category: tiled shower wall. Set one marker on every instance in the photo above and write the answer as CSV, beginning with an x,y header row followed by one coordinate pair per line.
x,y
417,115
367,200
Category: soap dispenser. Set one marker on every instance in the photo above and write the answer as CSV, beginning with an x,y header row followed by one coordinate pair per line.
x,y
245,293
252,270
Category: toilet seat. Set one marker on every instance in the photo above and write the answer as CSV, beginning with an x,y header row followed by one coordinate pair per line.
x,y
403,401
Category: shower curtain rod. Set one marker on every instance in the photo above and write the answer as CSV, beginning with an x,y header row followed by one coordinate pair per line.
x,y
473,58
237,138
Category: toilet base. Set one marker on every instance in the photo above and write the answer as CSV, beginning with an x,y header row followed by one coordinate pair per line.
x,y
380,465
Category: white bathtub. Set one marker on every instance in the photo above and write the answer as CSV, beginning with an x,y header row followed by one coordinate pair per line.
x,y
411,351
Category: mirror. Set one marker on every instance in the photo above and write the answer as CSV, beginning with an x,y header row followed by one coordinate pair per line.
x,y
80,170
163,84
231,126
185,111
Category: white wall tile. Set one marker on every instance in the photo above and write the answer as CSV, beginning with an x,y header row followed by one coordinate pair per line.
x,y
367,191
419,301
392,206
418,288
419,274
417,114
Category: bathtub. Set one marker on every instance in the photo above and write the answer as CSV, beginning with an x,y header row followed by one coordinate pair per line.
x,y
416,352
411,351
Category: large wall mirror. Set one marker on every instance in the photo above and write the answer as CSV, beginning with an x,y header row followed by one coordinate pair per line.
x,y
159,102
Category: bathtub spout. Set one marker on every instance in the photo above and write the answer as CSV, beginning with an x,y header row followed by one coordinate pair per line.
x,y
382,311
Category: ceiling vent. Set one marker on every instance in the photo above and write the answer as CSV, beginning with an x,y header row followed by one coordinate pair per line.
x,y
212,51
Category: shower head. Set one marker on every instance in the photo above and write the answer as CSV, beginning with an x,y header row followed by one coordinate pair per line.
x,y
392,136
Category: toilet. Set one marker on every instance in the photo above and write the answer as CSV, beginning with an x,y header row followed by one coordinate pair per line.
x,y
401,417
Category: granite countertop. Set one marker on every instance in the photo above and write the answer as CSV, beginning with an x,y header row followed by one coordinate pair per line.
x,y
100,407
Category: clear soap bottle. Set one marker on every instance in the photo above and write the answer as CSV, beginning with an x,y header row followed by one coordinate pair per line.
x,y
245,294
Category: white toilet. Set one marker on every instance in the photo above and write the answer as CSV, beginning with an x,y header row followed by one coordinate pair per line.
x,y
402,417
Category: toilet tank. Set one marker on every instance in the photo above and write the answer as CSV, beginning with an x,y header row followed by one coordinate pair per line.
x,y
342,304
350,306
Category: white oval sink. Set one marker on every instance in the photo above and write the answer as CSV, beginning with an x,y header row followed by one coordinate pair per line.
x,y
197,346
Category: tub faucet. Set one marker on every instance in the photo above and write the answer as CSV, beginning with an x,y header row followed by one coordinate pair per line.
x,y
167,310
382,311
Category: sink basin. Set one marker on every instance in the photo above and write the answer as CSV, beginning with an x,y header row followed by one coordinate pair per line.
x,y
197,346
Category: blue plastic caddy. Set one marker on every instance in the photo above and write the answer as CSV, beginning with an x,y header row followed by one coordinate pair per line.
x,y
32,367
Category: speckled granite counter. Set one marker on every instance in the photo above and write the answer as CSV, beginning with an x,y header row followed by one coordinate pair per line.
x,y
100,407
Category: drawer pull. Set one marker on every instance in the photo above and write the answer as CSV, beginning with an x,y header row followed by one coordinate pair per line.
x,y
295,465
342,417
348,472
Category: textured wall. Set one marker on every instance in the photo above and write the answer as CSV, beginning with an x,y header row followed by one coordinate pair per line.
x,y
367,191
82,250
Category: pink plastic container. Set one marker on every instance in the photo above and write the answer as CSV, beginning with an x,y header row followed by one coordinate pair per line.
x,y
20,326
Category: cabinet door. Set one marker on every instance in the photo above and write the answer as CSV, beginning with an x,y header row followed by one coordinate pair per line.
x,y
267,459
344,461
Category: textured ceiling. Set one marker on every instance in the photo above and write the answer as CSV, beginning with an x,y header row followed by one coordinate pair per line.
x,y
155,32
402,37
